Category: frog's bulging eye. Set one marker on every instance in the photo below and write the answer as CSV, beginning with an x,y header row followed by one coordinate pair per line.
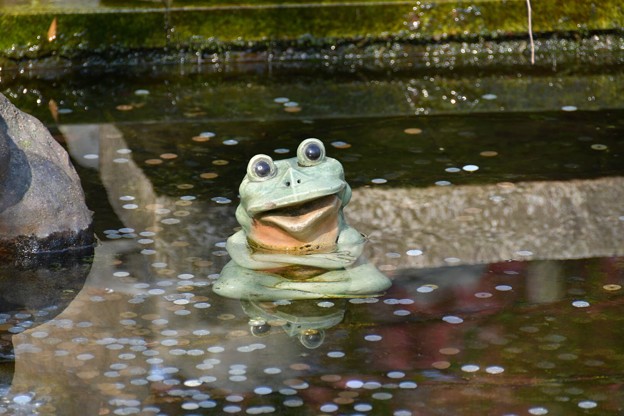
x,y
310,152
261,167
313,152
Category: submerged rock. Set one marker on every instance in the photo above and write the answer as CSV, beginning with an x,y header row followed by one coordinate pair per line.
x,y
42,204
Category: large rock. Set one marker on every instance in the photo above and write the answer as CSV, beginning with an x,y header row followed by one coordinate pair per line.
x,y
42,205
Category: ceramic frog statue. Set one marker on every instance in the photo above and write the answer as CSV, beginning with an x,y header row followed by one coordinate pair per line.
x,y
294,242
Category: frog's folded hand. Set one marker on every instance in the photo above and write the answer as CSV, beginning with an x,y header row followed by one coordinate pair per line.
x,y
336,260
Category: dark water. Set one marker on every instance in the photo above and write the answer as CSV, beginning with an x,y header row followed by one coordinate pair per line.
x,y
501,226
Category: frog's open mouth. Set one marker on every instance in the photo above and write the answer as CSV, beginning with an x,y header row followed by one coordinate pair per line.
x,y
301,218
310,226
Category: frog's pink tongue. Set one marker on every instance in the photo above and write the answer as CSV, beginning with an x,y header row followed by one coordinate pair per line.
x,y
302,227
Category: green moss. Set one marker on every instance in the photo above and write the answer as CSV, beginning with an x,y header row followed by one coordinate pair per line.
x,y
457,18
217,25
289,23
76,33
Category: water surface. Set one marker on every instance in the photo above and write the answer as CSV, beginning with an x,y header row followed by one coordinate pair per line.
x,y
501,226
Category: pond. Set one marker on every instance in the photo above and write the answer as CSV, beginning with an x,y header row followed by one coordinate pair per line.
x,y
493,200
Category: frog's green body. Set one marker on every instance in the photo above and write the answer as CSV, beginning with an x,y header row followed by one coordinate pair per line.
x,y
294,242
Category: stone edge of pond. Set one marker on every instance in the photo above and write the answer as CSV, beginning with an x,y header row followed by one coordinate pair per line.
x,y
59,247
111,33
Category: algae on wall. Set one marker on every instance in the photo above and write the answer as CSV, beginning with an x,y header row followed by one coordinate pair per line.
x,y
111,27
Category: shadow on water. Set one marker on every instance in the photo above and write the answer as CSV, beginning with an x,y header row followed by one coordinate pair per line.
x,y
507,278
33,295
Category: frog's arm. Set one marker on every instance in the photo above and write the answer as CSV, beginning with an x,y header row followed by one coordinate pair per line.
x,y
242,255
349,247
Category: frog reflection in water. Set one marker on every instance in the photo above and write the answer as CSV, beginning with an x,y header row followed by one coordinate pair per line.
x,y
294,242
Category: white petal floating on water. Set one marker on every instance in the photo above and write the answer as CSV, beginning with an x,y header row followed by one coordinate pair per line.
x,y
263,390
587,404
373,338
494,369
354,384
363,407
452,260
221,200
329,408
451,319
22,399
425,289
503,288
470,368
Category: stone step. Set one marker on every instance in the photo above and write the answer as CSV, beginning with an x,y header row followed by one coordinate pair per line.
x,y
73,29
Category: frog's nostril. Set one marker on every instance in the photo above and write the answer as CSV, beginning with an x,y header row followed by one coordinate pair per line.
x,y
298,180
287,184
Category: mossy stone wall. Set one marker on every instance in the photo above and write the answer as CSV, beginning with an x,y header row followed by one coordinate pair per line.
x,y
108,27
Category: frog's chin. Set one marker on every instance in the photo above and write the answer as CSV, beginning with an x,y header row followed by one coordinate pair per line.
x,y
308,226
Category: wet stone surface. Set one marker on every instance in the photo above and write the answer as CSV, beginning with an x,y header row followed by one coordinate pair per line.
x,y
531,332
42,207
